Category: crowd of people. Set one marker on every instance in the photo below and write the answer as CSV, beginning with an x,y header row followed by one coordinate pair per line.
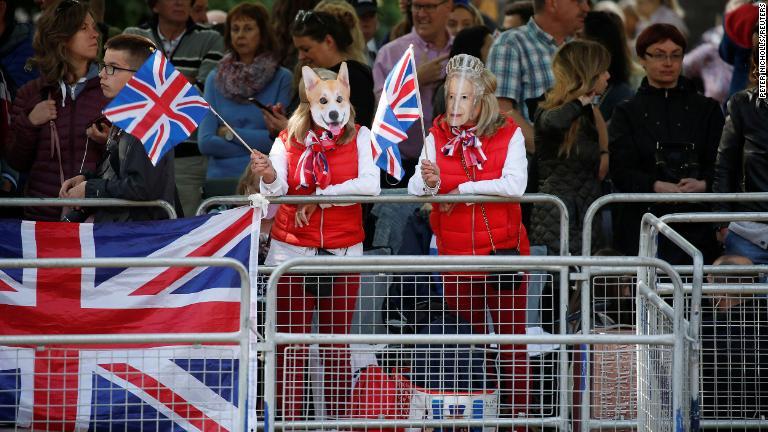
x,y
606,96
567,98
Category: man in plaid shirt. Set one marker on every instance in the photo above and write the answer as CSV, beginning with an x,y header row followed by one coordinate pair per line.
x,y
521,58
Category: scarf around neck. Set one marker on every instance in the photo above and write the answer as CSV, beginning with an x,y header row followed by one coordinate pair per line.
x,y
467,141
313,167
239,81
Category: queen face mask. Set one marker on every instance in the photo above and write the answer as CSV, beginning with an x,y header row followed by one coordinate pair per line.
x,y
463,89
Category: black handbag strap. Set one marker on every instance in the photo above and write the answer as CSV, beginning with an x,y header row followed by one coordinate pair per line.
x,y
482,208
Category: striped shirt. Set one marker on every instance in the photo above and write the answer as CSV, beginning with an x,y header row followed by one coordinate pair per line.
x,y
521,60
195,53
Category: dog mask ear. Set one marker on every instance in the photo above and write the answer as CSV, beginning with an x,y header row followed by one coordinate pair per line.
x,y
310,78
343,76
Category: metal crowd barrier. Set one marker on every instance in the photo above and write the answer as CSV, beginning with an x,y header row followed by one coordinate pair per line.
x,y
86,202
661,356
402,197
176,413
618,316
650,198
753,403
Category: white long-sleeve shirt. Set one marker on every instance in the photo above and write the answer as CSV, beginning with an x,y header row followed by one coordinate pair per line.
x,y
514,174
366,182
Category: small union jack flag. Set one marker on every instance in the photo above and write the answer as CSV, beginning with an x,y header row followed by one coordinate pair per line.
x,y
158,106
399,106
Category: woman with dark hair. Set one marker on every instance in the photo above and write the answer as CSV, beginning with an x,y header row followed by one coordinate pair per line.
x,y
607,29
664,140
248,74
475,41
53,135
323,40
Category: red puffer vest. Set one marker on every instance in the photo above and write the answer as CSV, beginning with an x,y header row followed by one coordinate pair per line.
x,y
330,228
463,231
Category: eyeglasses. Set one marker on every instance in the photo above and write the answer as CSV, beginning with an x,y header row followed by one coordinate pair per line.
x,y
304,16
426,7
65,5
110,70
660,57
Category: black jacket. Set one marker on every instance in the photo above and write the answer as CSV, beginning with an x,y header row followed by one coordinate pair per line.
x,y
651,117
656,115
127,173
742,158
572,178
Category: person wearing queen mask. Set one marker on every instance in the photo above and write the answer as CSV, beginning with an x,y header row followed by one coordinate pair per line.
x,y
473,149
322,152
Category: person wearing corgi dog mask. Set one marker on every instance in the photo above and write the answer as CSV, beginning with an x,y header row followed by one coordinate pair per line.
x,y
473,149
321,152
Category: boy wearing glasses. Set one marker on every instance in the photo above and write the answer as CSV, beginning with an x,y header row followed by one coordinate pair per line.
x,y
126,171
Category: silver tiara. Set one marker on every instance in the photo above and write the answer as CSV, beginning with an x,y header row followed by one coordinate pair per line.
x,y
464,63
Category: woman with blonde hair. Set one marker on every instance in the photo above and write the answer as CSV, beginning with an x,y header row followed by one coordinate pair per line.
x,y
571,140
54,132
473,149
318,154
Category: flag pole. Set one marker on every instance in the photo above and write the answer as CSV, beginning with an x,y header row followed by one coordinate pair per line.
x,y
231,129
418,99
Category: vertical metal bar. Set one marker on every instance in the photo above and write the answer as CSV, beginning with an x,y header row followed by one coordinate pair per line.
x,y
244,368
586,325
695,328
678,363
270,354
643,276
563,352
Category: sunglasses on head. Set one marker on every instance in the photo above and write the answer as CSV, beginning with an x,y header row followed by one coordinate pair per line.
x,y
65,5
303,16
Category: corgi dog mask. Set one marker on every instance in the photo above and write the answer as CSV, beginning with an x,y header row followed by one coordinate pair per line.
x,y
328,99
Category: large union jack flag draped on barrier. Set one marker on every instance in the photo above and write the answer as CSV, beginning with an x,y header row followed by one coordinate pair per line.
x,y
65,388
399,106
158,106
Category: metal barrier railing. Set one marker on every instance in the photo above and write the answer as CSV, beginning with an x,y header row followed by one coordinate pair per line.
x,y
400,198
674,337
239,337
86,202
615,198
650,226
697,290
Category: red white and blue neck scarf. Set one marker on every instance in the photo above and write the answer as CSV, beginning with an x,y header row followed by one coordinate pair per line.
x,y
313,165
470,145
